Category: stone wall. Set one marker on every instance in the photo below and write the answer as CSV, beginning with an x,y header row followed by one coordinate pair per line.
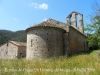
x,y
44,42
77,42
21,51
8,51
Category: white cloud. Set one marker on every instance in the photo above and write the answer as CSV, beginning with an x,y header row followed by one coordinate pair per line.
x,y
43,6
44,19
16,19
39,6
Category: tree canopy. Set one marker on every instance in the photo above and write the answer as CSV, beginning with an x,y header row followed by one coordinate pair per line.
x,y
93,29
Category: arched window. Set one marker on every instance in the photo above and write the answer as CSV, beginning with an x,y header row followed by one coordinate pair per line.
x,y
31,42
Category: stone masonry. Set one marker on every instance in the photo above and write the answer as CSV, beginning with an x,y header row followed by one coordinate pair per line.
x,y
50,38
13,49
53,38
44,42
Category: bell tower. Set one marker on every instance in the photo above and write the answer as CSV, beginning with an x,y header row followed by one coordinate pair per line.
x,y
72,21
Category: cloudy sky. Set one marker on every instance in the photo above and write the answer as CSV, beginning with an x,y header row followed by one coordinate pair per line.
x,y
21,14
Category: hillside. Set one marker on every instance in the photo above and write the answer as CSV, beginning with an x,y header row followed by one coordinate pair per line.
x,y
6,35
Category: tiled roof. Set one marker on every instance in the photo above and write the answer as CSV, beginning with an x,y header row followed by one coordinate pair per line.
x,y
18,43
59,24
44,24
50,20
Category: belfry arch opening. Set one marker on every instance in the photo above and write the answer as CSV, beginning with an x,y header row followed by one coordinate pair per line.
x,y
77,20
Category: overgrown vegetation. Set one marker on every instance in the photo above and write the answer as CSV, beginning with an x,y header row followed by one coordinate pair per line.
x,y
83,64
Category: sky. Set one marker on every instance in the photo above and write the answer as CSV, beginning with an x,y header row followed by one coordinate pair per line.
x,y
20,14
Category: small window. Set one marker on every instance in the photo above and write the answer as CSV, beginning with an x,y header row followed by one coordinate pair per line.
x,y
7,44
31,42
47,33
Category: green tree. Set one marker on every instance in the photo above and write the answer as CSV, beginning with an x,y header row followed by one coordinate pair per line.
x,y
93,29
6,35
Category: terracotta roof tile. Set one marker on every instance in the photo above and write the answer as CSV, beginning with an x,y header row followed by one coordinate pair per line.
x,y
44,24
18,43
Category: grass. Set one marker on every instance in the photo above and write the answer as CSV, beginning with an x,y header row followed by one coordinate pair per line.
x,y
82,64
